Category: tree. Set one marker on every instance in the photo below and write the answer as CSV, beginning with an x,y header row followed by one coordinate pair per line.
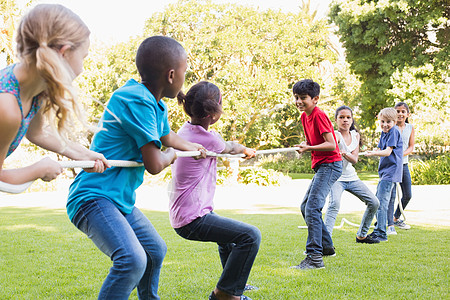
x,y
389,42
253,56
10,13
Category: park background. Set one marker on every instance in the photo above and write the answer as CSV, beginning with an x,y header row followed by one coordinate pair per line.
x,y
365,54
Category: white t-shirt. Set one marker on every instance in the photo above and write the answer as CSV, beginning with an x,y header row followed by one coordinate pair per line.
x,y
348,171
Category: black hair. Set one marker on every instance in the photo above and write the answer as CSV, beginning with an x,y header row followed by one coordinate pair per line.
x,y
353,126
202,100
306,87
406,106
156,55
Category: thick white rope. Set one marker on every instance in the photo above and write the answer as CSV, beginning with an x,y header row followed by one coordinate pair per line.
x,y
344,220
19,188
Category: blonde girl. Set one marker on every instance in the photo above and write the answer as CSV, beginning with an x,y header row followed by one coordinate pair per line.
x,y
407,133
37,99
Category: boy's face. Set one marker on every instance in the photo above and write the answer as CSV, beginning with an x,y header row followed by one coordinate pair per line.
x,y
305,103
178,77
386,124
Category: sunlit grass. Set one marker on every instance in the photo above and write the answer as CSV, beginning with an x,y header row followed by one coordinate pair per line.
x,y
43,256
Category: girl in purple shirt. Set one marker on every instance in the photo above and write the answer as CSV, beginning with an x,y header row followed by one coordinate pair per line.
x,y
192,194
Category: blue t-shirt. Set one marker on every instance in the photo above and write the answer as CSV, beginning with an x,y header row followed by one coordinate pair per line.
x,y
391,167
131,119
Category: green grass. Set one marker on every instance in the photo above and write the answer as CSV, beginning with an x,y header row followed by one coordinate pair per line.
x,y
365,176
43,256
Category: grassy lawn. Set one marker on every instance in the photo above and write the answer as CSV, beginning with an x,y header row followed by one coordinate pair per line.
x,y
43,256
365,176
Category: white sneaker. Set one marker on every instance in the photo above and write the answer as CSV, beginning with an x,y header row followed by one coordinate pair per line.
x,y
391,230
401,224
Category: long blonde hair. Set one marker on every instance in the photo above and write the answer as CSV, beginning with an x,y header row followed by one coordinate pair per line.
x,y
42,32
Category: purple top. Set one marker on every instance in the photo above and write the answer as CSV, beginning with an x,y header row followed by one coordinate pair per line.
x,y
194,181
10,84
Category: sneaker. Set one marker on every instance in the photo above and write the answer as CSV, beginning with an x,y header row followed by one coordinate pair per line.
x,y
401,224
368,240
325,252
249,287
374,236
391,230
310,262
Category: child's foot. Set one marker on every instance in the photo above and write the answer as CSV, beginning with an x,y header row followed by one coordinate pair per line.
x,y
249,287
367,240
325,252
391,230
310,262
401,224
379,238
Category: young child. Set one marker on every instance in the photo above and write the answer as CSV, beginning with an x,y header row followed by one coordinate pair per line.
x,y
326,162
52,43
407,134
193,188
135,126
390,151
349,142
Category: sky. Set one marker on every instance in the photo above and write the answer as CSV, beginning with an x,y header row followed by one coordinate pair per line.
x,y
115,21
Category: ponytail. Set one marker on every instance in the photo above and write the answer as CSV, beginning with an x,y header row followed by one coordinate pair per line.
x,y
41,34
202,100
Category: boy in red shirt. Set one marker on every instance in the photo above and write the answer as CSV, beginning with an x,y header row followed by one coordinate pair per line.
x,y
326,161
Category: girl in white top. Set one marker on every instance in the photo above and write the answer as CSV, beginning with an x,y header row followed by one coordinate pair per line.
x,y
349,142
408,135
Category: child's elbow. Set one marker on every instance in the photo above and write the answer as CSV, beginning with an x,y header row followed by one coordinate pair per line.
x,y
154,168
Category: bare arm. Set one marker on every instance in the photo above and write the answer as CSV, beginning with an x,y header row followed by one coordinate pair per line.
x,y
381,153
411,143
236,148
328,145
49,140
352,157
156,160
175,141
10,119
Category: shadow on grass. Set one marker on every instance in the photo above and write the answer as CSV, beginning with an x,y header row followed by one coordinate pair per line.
x,y
64,264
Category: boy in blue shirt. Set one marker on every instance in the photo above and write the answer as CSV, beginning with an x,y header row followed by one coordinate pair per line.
x,y
134,127
390,167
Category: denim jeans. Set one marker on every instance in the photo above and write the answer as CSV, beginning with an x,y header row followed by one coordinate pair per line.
x,y
405,185
385,190
360,190
132,243
238,245
312,205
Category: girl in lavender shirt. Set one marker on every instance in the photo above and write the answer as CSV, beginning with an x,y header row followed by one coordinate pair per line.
x,y
193,188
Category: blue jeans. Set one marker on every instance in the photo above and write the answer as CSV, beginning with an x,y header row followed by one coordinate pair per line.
x,y
238,245
405,185
312,205
385,190
132,243
360,190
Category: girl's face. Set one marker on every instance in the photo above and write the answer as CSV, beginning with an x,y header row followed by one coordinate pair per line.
x,y
76,57
402,114
344,120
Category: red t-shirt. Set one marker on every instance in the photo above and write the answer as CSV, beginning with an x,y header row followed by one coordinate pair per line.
x,y
314,126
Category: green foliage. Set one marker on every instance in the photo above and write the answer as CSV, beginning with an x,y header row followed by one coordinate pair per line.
x,y
43,256
434,171
253,56
289,164
395,47
262,177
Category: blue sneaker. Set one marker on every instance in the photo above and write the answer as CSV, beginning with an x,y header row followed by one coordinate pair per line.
x,y
374,236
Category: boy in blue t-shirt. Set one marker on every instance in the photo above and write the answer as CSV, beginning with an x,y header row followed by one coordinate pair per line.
x,y
134,127
390,167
